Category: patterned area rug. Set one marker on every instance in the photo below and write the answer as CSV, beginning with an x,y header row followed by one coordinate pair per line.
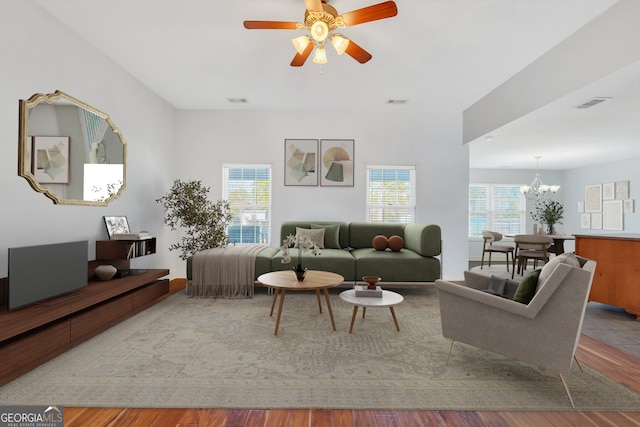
x,y
190,352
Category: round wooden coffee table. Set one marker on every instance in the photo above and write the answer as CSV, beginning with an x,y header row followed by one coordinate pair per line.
x,y
388,299
315,280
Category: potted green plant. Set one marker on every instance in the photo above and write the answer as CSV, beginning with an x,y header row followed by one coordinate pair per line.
x,y
548,212
187,205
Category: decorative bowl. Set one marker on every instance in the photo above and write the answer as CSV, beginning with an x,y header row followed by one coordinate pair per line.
x,y
371,280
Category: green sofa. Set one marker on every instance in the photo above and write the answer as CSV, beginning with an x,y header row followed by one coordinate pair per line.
x,y
349,252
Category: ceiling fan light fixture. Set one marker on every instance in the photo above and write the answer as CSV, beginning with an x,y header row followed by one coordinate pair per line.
x,y
320,55
319,31
340,43
300,43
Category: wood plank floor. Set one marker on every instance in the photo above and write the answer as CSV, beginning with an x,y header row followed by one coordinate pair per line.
x,y
615,364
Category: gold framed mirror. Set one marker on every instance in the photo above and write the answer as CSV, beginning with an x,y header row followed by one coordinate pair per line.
x,y
70,151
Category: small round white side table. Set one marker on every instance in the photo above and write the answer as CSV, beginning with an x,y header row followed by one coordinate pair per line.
x,y
389,299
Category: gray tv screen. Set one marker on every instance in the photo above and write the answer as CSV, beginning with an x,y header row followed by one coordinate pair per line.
x,y
39,273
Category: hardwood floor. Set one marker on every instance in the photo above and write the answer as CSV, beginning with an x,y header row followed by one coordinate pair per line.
x,y
615,364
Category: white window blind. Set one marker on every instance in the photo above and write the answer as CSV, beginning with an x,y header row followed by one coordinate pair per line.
x,y
391,193
496,207
248,190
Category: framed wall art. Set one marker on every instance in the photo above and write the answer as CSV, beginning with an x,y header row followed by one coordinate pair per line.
x,y
336,162
608,191
50,156
301,162
622,190
612,215
593,198
596,221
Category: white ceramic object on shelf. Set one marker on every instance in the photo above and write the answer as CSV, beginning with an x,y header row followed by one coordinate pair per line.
x,y
105,272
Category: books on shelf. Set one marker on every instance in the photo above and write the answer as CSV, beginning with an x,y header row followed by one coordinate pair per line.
x,y
139,248
142,235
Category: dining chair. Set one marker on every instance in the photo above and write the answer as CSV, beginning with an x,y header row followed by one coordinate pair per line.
x,y
489,238
530,247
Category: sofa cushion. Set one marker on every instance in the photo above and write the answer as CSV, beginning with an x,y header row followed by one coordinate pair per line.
x,y
380,242
548,268
396,243
316,236
403,266
289,227
331,235
527,287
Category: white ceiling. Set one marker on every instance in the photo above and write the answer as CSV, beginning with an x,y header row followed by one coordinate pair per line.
x,y
439,55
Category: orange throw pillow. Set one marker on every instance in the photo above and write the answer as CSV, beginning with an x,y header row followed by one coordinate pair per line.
x,y
396,243
380,242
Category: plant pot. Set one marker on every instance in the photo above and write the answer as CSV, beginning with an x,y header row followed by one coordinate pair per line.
x,y
300,272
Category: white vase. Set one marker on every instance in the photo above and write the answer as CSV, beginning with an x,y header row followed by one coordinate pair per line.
x,y
105,272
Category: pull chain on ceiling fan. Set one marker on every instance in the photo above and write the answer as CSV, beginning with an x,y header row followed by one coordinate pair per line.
x,y
322,20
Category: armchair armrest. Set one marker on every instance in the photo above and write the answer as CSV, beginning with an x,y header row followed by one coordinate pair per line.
x,y
486,299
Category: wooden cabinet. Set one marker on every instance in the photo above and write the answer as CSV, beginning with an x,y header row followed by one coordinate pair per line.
x,y
617,278
33,335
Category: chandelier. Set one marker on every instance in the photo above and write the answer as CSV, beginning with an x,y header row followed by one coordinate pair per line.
x,y
537,190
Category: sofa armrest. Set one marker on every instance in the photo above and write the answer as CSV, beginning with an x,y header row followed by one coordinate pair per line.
x,y
424,239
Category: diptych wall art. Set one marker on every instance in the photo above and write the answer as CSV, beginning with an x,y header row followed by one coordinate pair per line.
x,y
336,162
300,162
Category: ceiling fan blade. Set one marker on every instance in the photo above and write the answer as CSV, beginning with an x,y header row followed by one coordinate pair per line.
x,y
383,10
300,58
357,53
315,5
270,25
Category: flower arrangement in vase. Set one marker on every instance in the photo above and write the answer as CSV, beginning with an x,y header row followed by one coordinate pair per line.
x,y
549,212
303,244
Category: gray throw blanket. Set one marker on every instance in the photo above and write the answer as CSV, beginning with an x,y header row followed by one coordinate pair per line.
x,y
225,272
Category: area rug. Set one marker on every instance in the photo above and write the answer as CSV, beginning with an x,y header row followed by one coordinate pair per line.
x,y
204,353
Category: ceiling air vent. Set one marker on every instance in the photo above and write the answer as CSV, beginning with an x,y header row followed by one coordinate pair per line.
x,y
237,100
397,101
594,101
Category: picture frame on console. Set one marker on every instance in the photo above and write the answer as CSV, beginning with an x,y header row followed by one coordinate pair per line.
x,y
336,162
301,162
116,225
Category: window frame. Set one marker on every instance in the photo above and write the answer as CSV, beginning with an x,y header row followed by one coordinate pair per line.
x,y
265,223
492,213
411,207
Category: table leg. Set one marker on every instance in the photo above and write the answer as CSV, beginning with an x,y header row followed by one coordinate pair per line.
x,y
326,296
319,304
395,319
353,317
364,310
273,304
282,292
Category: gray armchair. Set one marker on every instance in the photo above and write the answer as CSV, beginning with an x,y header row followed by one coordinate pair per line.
x,y
544,332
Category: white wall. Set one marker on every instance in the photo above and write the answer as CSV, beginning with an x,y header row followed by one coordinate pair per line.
x,y
160,149
39,56
431,141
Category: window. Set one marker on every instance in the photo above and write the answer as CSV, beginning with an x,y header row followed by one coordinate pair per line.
x,y
496,207
248,190
391,193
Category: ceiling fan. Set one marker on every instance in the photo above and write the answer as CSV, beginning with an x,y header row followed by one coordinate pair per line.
x,y
322,20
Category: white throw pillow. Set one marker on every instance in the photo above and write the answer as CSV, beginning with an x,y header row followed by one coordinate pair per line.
x,y
316,235
553,263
